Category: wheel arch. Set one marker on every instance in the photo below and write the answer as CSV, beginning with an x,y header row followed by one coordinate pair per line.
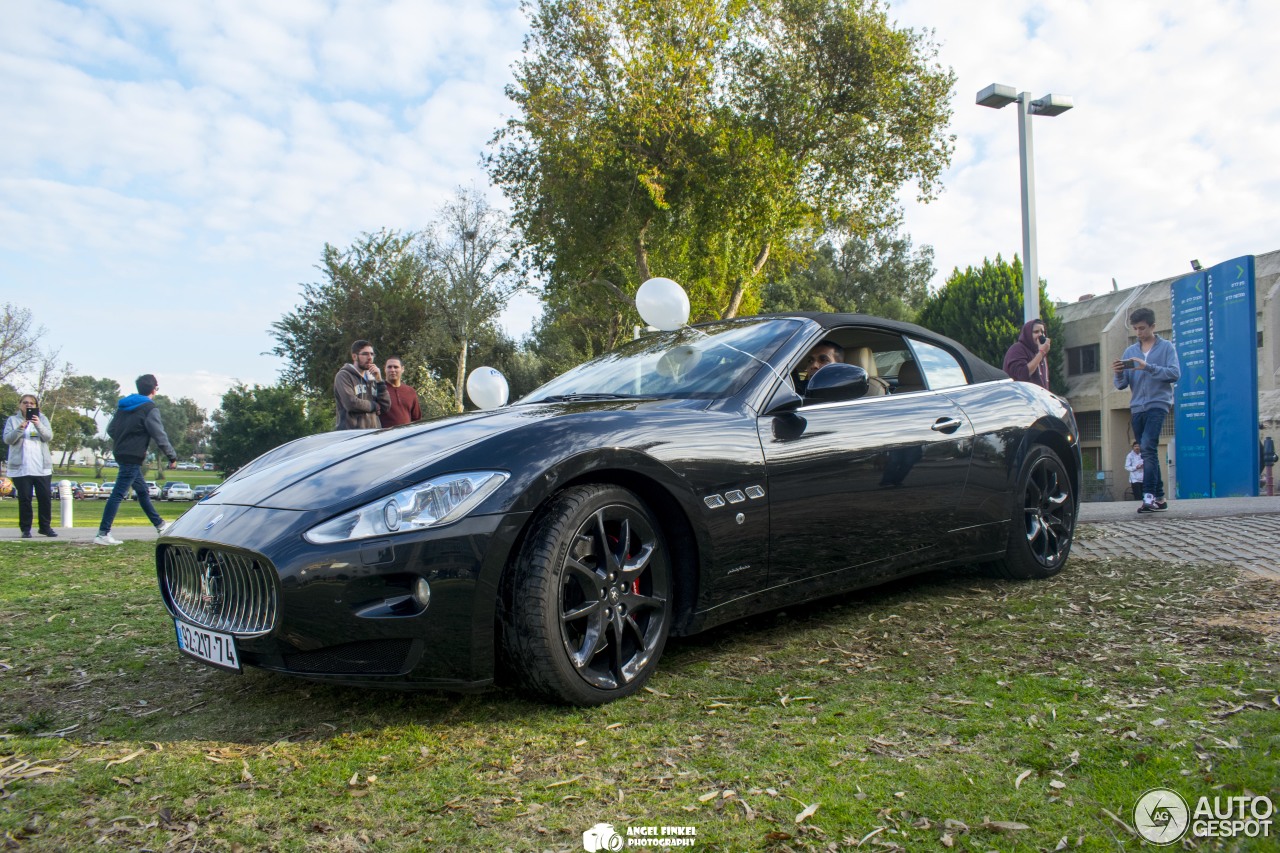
x,y
1067,451
635,473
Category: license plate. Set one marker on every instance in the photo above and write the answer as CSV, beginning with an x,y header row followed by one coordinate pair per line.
x,y
208,646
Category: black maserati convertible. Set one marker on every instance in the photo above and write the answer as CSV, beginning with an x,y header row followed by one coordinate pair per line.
x,y
685,480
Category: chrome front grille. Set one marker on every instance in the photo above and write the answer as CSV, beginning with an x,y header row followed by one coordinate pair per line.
x,y
220,590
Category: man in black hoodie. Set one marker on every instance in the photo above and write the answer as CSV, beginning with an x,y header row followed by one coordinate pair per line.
x,y
135,423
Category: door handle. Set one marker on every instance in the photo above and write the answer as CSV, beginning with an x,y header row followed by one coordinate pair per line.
x,y
947,425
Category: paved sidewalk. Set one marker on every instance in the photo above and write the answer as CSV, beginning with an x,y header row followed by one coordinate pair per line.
x,y
1242,531
81,535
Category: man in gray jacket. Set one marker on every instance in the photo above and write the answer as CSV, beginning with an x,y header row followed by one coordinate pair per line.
x,y
1149,369
359,391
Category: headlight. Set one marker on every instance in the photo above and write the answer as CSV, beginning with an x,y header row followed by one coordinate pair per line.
x,y
431,504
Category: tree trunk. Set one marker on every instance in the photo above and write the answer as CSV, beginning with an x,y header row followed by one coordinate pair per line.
x,y
642,256
616,291
462,375
740,286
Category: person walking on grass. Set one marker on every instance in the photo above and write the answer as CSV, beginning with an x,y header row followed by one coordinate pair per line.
x,y
133,427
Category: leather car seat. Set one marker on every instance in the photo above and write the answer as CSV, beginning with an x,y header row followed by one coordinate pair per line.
x,y
909,378
864,358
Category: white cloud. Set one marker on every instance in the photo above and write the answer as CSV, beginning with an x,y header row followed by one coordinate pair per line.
x,y
1165,157
169,172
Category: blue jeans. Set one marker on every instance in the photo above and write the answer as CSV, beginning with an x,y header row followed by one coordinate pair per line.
x,y
1146,431
130,475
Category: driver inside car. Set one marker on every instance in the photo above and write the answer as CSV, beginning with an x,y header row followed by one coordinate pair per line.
x,y
823,353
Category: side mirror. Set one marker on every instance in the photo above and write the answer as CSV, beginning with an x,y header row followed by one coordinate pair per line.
x,y
837,382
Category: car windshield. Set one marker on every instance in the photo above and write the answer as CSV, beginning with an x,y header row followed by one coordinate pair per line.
x,y
700,362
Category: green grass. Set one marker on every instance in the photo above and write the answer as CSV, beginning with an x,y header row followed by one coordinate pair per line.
x,y
89,512
928,714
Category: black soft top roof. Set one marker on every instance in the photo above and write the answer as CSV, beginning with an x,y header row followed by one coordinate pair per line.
x,y
977,369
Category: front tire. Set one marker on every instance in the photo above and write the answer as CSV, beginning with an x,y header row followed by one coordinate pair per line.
x,y
1043,520
589,598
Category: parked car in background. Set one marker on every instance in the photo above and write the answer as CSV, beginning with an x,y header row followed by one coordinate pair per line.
x,y
111,463
682,481
90,489
105,490
153,490
179,492
202,492
77,493
208,466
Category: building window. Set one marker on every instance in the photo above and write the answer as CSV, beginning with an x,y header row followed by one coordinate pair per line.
x,y
1166,431
1082,360
1090,424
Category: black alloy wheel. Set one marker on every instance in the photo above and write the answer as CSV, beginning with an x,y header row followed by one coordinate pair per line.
x,y
1043,522
589,598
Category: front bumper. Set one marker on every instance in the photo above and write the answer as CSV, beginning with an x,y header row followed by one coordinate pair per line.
x,y
346,613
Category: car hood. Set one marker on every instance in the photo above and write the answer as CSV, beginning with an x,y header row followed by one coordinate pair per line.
x,y
337,469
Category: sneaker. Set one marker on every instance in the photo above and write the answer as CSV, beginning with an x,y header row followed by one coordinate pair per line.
x,y
163,527
49,531
1160,506
26,534
106,539
1147,507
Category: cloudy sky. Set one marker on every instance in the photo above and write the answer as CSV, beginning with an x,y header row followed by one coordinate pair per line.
x,y
169,172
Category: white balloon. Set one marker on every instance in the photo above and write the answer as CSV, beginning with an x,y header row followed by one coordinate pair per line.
x,y
487,388
663,304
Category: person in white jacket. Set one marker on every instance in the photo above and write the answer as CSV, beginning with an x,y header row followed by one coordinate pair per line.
x,y
1133,464
28,434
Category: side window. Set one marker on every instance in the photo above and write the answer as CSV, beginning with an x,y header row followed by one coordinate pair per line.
x,y
939,367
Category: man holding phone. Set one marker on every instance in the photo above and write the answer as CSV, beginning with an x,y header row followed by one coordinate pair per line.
x,y
359,391
1149,369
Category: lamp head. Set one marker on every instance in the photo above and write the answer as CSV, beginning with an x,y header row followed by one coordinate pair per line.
x,y
1051,105
997,95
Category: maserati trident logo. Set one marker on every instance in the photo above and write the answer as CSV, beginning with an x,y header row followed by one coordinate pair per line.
x,y
211,583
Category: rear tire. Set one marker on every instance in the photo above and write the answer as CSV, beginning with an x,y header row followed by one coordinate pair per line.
x,y
1043,519
589,598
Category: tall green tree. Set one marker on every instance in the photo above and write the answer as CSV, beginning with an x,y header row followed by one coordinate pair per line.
x,y
705,139
253,420
877,274
90,395
71,432
982,309
19,341
373,290
471,274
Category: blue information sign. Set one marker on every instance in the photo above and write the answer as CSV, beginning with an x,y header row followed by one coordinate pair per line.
x,y
1233,379
1216,420
1191,413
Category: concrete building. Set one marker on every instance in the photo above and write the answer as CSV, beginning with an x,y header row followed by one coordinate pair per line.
x,y
1096,332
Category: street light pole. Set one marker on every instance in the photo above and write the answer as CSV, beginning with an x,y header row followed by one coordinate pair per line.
x,y
1026,158
997,96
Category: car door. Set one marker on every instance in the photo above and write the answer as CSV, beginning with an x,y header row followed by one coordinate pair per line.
x,y
860,488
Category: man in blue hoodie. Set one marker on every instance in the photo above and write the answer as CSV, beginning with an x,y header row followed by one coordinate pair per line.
x,y
1149,369
135,423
